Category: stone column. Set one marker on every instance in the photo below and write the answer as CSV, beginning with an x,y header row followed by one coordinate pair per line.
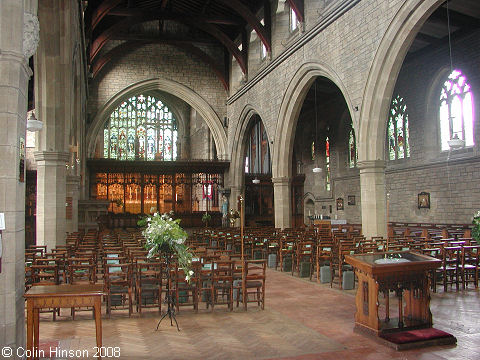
x,y
51,197
373,192
282,202
73,187
14,75
53,71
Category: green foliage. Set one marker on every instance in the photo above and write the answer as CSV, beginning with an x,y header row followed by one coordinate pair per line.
x,y
206,217
476,226
164,236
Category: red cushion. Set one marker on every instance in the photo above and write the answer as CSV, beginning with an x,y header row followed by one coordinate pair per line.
x,y
404,337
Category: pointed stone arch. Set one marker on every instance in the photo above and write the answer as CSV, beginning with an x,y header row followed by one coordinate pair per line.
x,y
383,75
237,170
239,145
379,87
172,87
290,109
285,133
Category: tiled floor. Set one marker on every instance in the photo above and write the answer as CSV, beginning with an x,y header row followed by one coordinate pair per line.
x,y
302,320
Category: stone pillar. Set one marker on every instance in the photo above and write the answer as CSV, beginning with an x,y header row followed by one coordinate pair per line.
x,y
14,76
73,192
53,97
51,197
282,202
373,195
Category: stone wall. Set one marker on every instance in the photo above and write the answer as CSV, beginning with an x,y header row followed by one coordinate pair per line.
x,y
451,177
346,48
153,61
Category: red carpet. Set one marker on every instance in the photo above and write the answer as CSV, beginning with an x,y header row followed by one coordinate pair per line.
x,y
412,336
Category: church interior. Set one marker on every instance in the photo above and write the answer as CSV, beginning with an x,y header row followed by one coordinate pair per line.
x,y
322,156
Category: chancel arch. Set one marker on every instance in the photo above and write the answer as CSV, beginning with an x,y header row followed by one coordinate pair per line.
x,y
143,162
179,90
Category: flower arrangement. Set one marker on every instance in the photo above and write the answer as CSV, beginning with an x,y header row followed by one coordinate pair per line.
x,y
165,237
206,218
232,216
476,226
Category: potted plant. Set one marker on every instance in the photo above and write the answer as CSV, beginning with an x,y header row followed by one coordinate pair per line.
x,y
206,218
165,238
476,227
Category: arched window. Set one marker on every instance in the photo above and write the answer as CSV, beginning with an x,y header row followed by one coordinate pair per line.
x,y
257,157
327,164
456,110
398,144
141,128
352,149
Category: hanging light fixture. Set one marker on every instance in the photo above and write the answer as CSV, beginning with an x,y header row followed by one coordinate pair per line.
x,y
455,142
316,169
32,123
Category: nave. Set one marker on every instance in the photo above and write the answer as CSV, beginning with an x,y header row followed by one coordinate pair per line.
x,y
302,320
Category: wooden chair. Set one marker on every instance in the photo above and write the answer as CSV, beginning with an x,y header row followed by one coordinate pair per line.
x,y
286,250
469,265
451,259
222,283
254,283
305,251
186,292
323,256
118,285
45,272
81,271
148,285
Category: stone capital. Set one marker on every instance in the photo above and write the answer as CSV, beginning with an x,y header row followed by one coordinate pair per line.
x,y
73,180
31,34
51,157
224,191
17,57
372,164
281,181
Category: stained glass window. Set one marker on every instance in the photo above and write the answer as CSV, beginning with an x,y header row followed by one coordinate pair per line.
x,y
456,110
327,164
352,149
257,157
293,20
141,128
397,131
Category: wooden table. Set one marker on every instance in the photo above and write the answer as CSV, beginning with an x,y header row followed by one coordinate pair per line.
x,y
58,296
407,275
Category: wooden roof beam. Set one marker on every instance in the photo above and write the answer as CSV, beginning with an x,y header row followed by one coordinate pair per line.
x,y
121,49
251,19
102,10
220,20
298,7
109,33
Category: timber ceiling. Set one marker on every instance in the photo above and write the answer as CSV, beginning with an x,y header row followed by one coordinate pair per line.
x,y
203,28
213,30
